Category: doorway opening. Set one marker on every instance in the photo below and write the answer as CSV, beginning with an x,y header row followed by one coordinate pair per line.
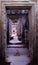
x,y
16,43
17,25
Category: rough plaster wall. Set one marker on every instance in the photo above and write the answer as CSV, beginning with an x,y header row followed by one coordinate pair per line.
x,y
37,29
0,34
0,9
35,45
0,29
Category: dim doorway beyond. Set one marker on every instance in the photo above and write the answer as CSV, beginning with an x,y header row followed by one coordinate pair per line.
x,y
17,26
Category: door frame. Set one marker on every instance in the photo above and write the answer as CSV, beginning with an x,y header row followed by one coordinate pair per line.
x,y
32,29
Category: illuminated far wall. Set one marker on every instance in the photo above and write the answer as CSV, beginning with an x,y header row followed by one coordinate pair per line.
x,y
13,30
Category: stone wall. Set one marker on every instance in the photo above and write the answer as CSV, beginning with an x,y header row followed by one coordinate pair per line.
x,y
35,45
0,9
37,30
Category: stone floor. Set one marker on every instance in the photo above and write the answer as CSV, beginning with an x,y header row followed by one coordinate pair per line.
x,y
22,59
17,56
18,60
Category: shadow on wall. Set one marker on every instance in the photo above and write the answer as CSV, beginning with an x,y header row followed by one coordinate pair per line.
x,y
1,45
2,54
0,42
